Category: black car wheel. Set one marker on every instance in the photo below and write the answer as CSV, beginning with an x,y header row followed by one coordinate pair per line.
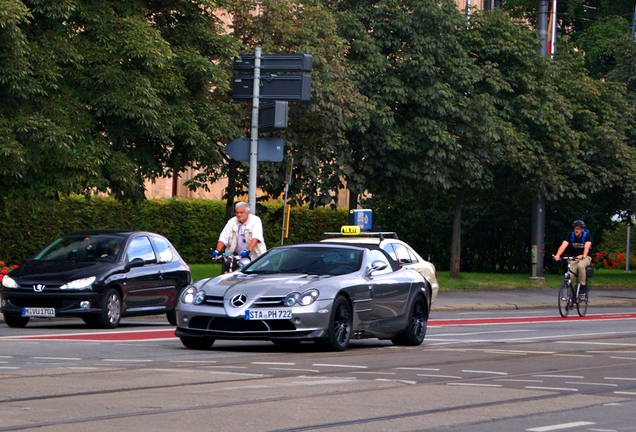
x,y
198,343
340,324
16,321
415,330
111,309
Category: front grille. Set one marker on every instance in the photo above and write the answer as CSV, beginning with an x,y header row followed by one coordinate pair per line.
x,y
211,300
269,301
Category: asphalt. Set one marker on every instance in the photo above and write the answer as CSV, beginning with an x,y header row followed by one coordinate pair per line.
x,y
521,298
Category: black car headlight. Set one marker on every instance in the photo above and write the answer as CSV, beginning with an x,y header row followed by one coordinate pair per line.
x,y
304,299
84,283
8,282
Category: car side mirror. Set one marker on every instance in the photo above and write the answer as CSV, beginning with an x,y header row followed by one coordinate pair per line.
x,y
376,266
137,262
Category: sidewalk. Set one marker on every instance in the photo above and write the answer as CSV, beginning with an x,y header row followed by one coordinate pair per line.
x,y
525,298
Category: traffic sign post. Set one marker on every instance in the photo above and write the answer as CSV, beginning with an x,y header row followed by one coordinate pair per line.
x,y
278,88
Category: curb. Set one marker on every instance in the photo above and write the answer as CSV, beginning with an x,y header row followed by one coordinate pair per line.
x,y
513,306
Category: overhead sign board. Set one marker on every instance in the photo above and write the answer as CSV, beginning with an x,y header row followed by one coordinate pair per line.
x,y
269,149
276,63
293,88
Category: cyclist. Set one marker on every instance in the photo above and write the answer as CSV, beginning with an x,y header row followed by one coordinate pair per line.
x,y
242,235
577,245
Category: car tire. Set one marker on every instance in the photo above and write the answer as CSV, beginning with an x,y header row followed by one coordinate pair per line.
x,y
172,314
340,326
415,330
111,309
16,321
90,320
198,343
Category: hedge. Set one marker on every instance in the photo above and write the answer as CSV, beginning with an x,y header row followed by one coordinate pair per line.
x,y
193,226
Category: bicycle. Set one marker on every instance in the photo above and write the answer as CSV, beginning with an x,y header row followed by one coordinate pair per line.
x,y
569,295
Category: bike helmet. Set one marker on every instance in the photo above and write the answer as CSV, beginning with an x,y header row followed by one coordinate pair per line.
x,y
578,223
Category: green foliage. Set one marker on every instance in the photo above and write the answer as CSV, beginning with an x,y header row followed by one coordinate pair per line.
x,y
193,226
100,96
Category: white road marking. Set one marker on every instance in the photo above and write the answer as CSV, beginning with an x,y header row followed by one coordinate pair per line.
x,y
596,343
559,376
474,385
551,388
439,376
595,384
9,367
620,378
624,358
396,380
274,363
518,380
129,360
374,373
57,358
561,426
417,369
485,372
192,361
295,370
573,355
482,332
625,393
339,366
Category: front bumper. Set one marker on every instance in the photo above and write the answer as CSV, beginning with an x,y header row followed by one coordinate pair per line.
x,y
307,323
64,303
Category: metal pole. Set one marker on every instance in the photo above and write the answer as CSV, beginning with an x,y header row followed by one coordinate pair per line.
x,y
251,194
538,203
629,233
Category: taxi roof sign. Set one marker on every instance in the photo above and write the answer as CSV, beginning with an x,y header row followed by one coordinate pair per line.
x,y
350,230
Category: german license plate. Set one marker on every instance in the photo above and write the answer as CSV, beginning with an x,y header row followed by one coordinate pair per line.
x,y
38,312
268,314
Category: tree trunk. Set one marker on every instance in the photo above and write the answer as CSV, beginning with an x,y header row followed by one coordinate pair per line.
x,y
231,190
457,233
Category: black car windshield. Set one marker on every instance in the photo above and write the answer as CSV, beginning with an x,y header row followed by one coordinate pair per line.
x,y
308,260
100,247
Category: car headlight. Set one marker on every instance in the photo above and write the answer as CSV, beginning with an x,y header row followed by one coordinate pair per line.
x,y
304,299
84,283
308,297
8,282
188,295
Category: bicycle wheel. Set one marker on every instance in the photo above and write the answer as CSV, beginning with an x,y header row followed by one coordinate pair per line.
x,y
581,306
564,299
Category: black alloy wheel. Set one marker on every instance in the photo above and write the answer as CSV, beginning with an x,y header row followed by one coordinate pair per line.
x,y
340,325
415,330
564,299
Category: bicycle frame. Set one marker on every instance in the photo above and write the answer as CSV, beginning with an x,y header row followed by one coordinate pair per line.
x,y
569,295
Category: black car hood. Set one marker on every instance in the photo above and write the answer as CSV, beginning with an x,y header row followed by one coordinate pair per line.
x,y
59,272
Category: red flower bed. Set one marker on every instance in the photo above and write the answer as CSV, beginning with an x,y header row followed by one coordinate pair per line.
x,y
611,261
4,269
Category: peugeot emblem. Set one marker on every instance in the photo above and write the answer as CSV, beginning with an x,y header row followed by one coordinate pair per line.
x,y
38,288
238,300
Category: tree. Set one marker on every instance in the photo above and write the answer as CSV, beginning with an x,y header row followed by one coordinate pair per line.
x,y
428,129
315,135
100,96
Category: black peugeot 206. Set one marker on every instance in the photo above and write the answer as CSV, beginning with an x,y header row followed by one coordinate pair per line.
x,y
99,276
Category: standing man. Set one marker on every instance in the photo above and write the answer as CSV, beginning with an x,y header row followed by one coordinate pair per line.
x,y
577,245
242,235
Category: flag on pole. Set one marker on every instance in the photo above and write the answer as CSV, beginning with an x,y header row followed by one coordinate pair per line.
x,y
552,29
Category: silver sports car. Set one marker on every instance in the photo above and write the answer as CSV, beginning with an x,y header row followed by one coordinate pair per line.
x,y
321,292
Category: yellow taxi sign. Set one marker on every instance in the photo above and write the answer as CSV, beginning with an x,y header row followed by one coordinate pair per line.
x,y
350,230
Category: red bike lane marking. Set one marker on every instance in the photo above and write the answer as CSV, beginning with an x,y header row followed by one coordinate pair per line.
x,y
140,335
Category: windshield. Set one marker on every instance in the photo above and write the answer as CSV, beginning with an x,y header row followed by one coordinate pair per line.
x,y
102,247
309,260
